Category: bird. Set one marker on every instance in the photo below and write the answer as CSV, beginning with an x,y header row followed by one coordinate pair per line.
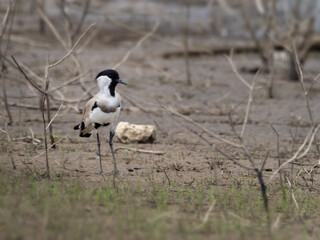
x,y
103,110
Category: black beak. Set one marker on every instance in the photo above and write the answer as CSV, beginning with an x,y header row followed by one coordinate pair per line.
x,y
121,81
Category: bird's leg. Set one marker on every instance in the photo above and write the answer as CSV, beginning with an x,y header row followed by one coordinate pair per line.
x,y
99,152
116,171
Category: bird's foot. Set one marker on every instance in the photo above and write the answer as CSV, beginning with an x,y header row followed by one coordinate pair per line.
x,y
116,172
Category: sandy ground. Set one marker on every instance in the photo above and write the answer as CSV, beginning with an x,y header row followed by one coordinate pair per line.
x,y
154,81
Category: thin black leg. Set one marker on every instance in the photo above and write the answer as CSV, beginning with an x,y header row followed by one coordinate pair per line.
x,y
116,171
99,152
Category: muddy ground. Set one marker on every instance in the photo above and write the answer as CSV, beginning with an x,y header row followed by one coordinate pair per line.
x,y
152,82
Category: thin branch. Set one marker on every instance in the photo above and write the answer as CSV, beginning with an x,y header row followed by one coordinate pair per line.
x,y
141,151
250,99
301,78
51,26
72,49
83,16
68,82
36,157
237,73
27,78
175,112
216,148
139,43
310,135
54,116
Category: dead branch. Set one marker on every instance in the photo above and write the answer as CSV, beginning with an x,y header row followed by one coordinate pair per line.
x,y
26,77
52,28
296,156
7,20
32,172
250,99
206,216
64,44
301,78
83,16
175,112
279,162
39,155
68,82
216,148
5,99
73,47
234,69
138,44
141,151
257,42
186,45
54,116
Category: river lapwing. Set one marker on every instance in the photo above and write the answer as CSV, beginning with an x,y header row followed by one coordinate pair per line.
x,y
102,110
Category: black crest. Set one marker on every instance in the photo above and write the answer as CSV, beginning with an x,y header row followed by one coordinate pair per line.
x,y
112,74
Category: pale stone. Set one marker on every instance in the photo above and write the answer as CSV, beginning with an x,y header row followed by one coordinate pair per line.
x,y
133,133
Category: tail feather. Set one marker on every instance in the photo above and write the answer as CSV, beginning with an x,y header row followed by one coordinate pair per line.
x,y
87,135
85,131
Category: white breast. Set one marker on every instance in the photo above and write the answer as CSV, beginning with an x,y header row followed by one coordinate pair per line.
x,y
97,116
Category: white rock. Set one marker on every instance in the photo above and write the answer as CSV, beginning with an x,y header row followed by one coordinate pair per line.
x,y
133,133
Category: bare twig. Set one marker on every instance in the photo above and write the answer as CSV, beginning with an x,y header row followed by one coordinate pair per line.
x,y
54,116
301,78
13,163
279,162
216,136
237,73
27,78
169,181
6,20
52,28
206,216
250,99
83,16
138,44
296,156
39,155
186,44
73,47
141,150
5,99
292,194
68,82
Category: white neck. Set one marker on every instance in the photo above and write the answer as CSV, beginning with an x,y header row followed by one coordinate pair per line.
x,y
105,91
103,83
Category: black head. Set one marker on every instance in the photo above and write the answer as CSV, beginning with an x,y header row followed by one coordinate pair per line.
x,y
112,74
115,79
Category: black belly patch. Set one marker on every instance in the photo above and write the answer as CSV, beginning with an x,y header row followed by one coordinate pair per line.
x,y
85,135
97,125
95,105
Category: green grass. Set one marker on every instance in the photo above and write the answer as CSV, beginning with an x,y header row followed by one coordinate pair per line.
x,y
68,208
